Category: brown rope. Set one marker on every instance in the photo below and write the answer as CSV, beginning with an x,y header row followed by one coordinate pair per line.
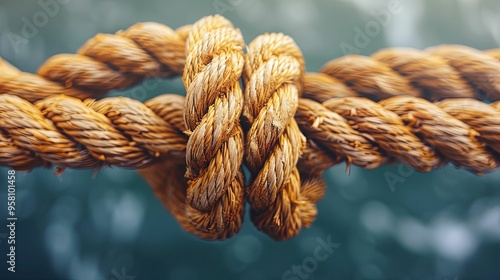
x,y
214,101
103,63
202,133
411,130
447,71
67,132
273,72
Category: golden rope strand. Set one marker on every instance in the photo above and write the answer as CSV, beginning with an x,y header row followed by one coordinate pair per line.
x,y
214,151
105,62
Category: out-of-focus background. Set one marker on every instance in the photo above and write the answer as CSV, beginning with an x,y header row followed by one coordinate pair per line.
x,y
444,224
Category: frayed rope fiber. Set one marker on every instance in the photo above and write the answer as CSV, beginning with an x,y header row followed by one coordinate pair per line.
x,y
248,105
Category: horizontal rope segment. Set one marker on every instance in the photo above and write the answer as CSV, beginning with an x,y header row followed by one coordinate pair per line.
x,y
124,132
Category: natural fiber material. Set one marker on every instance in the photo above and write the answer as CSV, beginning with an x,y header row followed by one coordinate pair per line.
x,y
443,132
443,72
273,72
66,132
103,63
479,116
214,101
201,134
409,129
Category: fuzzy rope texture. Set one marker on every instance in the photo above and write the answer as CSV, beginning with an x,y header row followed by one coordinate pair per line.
x,y
286,125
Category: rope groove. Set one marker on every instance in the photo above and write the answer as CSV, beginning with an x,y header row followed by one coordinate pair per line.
x,y
287,126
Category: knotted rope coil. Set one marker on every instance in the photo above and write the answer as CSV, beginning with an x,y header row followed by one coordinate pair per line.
x,y
296,125
214,101
273,76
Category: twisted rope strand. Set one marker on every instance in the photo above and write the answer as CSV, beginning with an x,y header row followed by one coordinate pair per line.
x,y
320,86
332,132
171,187
479,116
442,72
214,101
273,71
412,130
496,105
66,132
477,67
81,130
273,67
166,177
103,63
387,130
452,138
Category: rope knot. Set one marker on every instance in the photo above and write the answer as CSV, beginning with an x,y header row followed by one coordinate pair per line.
x,y
273,76
190,150
214,151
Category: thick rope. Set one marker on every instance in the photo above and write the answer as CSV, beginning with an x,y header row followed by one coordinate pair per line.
x,y
171,187
64,131
273,72
89,138
411,130
447,71
214,101
103,63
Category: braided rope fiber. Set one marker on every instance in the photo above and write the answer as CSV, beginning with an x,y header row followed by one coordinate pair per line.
x,y
366,111
273,72
214,101
67,132
105,62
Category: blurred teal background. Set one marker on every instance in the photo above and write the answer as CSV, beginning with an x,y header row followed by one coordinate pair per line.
x,y
444,224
